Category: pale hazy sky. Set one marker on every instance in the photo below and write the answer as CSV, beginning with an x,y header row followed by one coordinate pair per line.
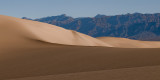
x,y
76,8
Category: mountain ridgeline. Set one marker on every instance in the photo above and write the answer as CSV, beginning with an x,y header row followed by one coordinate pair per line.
x,y
134,26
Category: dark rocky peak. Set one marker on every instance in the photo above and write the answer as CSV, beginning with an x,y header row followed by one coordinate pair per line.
x,y
26,18
62,17
100,16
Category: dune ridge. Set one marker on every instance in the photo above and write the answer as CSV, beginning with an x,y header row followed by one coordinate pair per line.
x,y
24,31
21,30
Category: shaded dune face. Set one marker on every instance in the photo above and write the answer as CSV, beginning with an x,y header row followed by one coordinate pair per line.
x,y
58,59
12,34
138,73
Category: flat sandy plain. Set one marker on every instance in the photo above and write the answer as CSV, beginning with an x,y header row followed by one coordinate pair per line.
x,y
31,50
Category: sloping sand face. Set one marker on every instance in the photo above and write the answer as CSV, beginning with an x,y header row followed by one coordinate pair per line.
x,y
128,43
19,32
58,59
11,33
137,73
32,49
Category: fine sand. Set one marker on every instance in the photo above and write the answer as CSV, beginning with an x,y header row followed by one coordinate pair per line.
x,y
138,73
22,33
31,50
128,43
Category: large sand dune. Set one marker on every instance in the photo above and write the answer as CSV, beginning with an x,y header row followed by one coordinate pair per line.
x,y
23,32
33,49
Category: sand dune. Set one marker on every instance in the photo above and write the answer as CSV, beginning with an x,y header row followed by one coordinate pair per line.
x,y
33,49
22,32
128,43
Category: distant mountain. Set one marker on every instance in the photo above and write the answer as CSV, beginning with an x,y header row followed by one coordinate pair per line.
x,y
134,26
27,18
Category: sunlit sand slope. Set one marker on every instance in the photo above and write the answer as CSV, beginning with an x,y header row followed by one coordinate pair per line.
x,y
128,43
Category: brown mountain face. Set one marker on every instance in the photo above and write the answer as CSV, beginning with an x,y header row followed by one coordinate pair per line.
x,y
134,26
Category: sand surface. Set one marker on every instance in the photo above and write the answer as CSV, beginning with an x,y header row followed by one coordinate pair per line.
x,y
128,43
20,32
138,73
31,50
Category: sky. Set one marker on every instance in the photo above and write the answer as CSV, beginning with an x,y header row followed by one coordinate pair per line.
x,y
76,8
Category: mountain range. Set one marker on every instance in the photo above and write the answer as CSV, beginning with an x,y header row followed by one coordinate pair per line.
x,y
133,26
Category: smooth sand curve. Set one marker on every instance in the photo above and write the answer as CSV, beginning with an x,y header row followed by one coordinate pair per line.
x,y
128,43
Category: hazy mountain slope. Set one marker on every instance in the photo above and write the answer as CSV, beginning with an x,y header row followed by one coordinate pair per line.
x,y
134,26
